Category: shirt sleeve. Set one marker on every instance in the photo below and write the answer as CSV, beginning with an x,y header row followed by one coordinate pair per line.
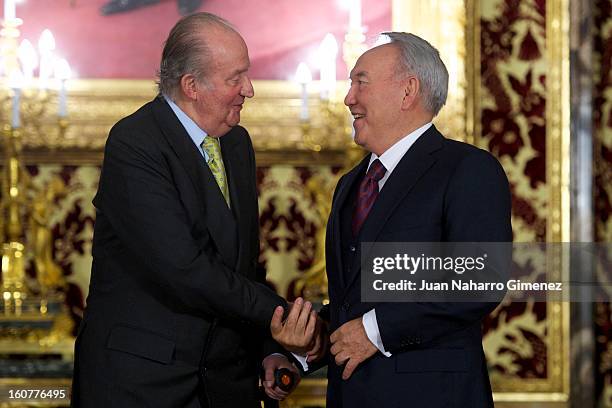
x,y
371,328
301,360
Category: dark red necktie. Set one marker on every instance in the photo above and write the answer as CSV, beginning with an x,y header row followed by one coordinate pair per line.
x,y
368,191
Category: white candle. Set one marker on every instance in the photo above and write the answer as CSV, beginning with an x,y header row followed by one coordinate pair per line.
x,y
62,74
328,52
62,100
15,119
15,82
303,76
355,15
304,114
328,79
9,10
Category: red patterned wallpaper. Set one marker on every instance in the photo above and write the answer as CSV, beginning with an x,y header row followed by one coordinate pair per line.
x,y
513,85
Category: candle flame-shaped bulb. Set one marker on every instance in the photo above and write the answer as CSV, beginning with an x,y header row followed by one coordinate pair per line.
x,y
303,74
28,57
46,42
62,69
329,47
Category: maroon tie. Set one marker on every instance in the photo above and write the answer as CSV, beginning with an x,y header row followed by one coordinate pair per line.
x,y
368,191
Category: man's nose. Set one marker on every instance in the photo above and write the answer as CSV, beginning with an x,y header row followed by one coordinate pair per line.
x,y
247,88
349,99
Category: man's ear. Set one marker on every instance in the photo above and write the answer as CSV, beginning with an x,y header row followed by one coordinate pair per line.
x,y
411,87
189,86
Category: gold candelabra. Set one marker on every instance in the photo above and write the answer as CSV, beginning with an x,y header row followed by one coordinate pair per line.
x,y
13,268
19,202
25,212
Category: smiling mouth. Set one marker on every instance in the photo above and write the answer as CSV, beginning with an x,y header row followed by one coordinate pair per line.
x,y
358,115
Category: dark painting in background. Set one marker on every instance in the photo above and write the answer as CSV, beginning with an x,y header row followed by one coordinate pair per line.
x,y
128,44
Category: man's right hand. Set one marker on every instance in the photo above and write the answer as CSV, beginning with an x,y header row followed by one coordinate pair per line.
x,y
297,333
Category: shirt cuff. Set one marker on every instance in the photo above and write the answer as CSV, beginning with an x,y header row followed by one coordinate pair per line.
x,y
302,361
371,328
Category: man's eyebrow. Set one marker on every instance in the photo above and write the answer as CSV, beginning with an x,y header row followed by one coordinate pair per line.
x,y
236,73
360,74
239,71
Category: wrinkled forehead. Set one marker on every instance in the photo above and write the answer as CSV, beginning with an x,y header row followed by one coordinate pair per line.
x,y
380,60
227,46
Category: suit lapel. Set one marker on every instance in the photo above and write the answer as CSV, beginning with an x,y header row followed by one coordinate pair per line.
x,y
240,187
218,217
335,219
413,165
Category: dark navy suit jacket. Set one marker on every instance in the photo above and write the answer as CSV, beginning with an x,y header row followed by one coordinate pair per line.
x,y
441,190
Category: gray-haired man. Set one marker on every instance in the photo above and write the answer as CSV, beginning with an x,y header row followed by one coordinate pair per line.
x,y
178,314
413,186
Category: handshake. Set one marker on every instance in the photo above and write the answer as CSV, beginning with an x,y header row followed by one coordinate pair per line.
x,y
306,335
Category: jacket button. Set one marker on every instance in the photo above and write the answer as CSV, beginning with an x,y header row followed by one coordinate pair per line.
x,y
353,248
345,306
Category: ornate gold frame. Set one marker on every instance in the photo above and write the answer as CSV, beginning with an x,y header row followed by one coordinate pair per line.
x,y
554,390
95,105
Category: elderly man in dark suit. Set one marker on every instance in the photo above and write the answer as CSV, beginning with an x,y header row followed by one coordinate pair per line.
x,y
413,186
178,313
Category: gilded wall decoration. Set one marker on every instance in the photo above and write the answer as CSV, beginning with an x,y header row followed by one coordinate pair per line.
x,y
289,221
72,226
513,103
522,340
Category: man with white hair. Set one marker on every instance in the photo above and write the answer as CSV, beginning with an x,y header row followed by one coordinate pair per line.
x,y
414,185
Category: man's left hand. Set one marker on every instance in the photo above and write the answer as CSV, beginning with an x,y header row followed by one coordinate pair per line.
x,y
350,345
270,364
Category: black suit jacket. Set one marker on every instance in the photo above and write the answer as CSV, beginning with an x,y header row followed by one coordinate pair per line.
x,y
177,313
441,190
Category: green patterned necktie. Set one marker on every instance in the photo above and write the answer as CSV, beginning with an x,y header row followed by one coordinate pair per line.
x,y
215,162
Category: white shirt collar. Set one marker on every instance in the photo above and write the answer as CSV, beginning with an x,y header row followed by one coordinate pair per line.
x,y
392,156
196,133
